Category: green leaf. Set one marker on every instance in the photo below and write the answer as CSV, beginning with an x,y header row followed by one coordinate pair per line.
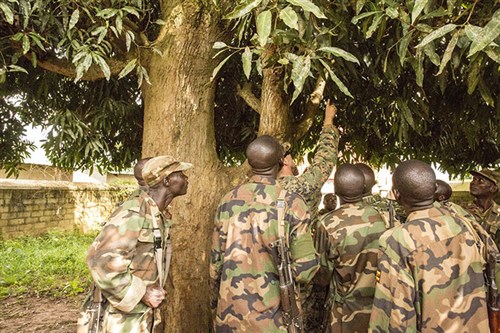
x,y
290,18
449,51
436,13
403,47
489,33
74,19
127,69
129,36
438,33
474,74
336,80
418,66
219,66
356,18
26,44
107,13
131,10
119,24
405,111
308,6
493,53
417,9
104,66
392,12
430,52
15,68
246,59
473,32
243,8
9,15
374,25
219,45
300,70
338,52
36,38
264,26
485,93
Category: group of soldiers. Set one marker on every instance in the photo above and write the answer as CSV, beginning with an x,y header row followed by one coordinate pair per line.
x,y
413,262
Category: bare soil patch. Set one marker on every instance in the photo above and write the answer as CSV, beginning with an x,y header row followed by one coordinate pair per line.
x,y
39,314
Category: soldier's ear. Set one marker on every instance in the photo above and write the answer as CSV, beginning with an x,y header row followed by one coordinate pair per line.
x,y
165,181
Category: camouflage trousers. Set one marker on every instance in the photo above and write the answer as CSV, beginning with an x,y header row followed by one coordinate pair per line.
x,y
313,308
121,322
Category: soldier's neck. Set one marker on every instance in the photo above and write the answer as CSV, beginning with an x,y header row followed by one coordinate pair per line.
x,y
483,203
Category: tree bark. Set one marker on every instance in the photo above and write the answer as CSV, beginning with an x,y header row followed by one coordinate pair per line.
x,y
179,121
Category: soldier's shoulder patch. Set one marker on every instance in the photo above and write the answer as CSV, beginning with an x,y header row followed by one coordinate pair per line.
x,y
377,276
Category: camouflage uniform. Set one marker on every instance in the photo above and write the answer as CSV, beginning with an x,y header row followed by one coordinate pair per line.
x,y
309,185
121,260
245,293
350,235
430,277
384,206
490,219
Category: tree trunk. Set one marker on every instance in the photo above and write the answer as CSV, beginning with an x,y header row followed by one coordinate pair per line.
x,y
275,117
179,121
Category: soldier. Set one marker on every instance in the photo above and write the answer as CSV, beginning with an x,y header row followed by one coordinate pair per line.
x,y
430,273
350,240
245,292
441,200
484,188
369,178
309,185
123,257
330,202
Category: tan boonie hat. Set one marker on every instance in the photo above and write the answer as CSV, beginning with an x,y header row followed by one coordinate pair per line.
x,y
160,167
491,175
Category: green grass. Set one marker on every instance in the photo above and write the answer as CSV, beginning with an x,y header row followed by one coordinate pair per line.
x,y
53,264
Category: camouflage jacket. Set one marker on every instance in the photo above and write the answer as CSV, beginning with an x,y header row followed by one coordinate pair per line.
x,y
121,259
245,293
489,219
430,277
309,184
350,235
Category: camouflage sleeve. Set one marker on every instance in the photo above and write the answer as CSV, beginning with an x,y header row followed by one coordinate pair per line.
x,y
109,258
317,174
304,257
393,305
216,259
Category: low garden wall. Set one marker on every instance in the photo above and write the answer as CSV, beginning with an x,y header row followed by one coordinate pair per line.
x,y
29,208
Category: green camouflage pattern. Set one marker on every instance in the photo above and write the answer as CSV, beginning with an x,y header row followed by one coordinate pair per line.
x,y
350,237
430,276
122,263
489,219
382,205
245,293
309,184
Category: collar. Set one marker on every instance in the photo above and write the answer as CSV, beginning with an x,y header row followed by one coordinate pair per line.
x,y
266,180
425,213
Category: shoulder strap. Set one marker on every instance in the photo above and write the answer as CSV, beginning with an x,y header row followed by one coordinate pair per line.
x,y
281,206
158,248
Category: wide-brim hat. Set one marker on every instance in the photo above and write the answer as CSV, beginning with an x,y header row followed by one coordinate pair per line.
x,y
157,168
491,175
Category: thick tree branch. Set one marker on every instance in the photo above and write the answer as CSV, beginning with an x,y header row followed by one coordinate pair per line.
x,y
312,106
66,68
245,92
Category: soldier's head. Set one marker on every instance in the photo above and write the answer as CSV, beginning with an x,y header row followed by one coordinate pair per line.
x,y
369,177
443,191
484,184
330,201
288,166
349,183
414,184
165,178
138,171
265,156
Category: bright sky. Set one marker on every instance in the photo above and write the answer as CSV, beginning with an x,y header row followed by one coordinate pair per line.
x,y
35,134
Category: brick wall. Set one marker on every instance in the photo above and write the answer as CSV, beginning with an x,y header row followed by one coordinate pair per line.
x,y
35,207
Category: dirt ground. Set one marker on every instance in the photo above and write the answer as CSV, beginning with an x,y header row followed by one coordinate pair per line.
x,y
39,314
